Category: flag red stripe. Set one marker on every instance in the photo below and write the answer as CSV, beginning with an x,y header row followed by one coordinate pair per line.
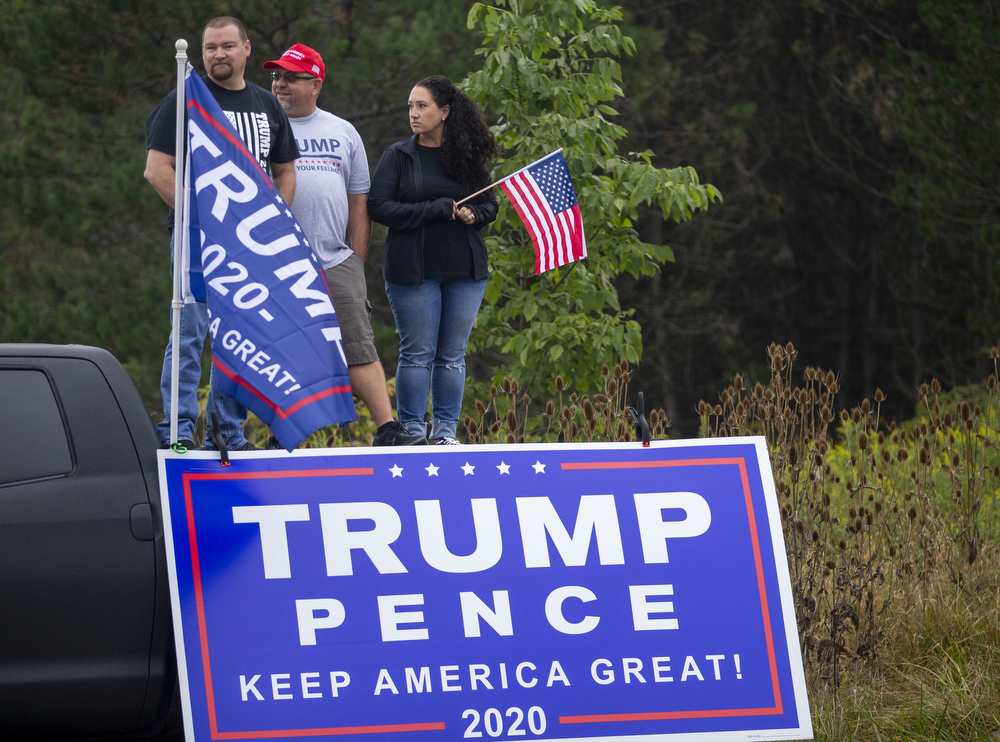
x,y
283,414
562,219
548,242
581,240
520,213
538,235
545,215
527,218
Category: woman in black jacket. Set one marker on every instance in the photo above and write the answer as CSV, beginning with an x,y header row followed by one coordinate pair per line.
x,y
435,257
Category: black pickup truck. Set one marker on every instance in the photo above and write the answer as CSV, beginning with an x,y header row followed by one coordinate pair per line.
x,y
86,647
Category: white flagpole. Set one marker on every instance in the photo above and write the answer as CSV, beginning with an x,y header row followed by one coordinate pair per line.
x,y
176,304
505,179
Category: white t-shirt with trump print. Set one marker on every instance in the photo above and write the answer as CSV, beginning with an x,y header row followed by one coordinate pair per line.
x,y
332,164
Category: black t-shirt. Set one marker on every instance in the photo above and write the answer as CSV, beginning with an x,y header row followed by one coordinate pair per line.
x,y
256,114
447,253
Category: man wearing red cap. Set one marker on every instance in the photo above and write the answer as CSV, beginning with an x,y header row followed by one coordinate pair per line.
x,y
331,200
263,127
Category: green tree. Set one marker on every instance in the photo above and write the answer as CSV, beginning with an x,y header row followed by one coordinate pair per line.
x,y
856,143
549,72
942,98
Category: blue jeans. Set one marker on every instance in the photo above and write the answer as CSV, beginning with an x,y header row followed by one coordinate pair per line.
x,y
434,321
232,415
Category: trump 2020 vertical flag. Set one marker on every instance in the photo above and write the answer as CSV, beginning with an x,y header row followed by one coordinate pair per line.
x,y
543,196
276,344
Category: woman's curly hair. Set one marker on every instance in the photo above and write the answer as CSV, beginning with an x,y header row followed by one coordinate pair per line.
x,y
468,143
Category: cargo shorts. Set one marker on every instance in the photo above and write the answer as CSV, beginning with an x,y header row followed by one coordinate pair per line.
x,y
349,292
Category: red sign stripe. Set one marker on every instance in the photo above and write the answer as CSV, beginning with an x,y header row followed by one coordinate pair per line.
x,y
187,478
761,587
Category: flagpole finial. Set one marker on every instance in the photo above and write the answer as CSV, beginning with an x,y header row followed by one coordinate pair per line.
x,y
181,46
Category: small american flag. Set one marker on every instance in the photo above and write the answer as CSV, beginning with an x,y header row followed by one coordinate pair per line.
x,y
543,196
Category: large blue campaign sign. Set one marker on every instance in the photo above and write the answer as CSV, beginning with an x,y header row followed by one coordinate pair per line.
x,y
276,343
582,591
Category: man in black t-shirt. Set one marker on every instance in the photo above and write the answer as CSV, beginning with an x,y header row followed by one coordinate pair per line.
x,y
263,127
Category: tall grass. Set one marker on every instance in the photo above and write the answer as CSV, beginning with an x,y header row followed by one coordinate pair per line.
x,y
892,542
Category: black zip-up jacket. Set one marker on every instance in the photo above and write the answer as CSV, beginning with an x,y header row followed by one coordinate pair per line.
x,y
397,199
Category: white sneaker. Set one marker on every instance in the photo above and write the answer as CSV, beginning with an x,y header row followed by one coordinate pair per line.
x,y
446,441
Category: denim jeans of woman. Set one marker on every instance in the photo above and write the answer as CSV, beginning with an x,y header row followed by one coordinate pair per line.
x,y
434,320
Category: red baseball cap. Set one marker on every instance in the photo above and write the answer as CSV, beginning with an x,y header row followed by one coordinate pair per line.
x,y
300,58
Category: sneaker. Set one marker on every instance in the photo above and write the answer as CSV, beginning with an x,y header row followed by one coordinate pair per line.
x,y
273,445
446,441
247,446
394,434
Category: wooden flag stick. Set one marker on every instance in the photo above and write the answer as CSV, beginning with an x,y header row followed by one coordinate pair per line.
x,y
481,190
492,185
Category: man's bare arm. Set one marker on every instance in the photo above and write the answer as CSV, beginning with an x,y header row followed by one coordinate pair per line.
x,y
161,174
359,224
283,174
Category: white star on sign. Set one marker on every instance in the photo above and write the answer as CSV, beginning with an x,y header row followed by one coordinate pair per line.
x,y
468,468
287,212
298,228
538,466
432,471
396,471
278,199
504,468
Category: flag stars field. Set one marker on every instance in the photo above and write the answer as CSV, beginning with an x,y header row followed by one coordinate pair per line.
x,y
467,469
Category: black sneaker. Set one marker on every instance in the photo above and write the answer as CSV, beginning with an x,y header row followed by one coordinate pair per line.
x,y
393,434
273,445
247,446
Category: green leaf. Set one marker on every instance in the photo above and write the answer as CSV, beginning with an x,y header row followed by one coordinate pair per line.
x,y
492,293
